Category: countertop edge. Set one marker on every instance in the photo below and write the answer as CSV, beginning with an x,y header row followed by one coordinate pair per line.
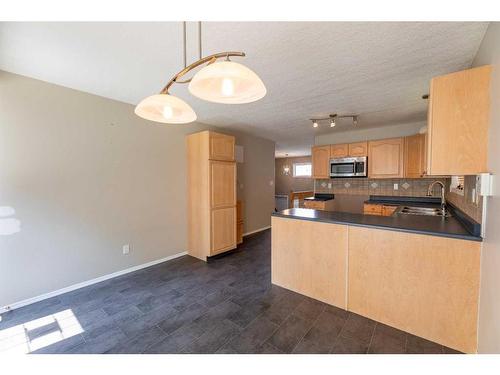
x,y
384,227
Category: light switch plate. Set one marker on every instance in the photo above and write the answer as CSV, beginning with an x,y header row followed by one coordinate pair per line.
x,y
484,182
396,186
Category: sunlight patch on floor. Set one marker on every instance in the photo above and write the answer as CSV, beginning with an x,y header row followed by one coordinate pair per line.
x,y
39,333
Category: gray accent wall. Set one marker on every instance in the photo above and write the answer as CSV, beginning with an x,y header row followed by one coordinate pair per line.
x,y
82,175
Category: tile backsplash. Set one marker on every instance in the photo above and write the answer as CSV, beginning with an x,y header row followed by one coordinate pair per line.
x,y
469,203
412,187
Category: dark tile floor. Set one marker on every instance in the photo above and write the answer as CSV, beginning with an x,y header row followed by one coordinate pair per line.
x,y
188,306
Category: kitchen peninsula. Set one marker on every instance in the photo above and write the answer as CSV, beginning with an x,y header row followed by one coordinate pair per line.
x,y
409,262
418,274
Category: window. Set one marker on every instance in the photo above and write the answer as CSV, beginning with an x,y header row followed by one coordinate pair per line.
x,y
301,169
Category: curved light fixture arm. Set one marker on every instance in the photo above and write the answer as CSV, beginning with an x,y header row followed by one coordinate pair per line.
x,y
209,59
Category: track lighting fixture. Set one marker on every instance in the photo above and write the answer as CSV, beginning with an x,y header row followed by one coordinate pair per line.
x,y
333,119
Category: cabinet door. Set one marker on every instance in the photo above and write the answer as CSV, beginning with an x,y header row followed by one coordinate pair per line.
x,y
385,158
223,233
372,209
358,149
321,162
339,151
425,285
222,183
388,210
221,146
315,205
458,123
414,158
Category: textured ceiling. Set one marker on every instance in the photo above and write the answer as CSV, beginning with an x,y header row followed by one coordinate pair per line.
x,y
378,70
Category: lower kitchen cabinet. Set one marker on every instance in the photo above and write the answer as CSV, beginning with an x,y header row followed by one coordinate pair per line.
x,y
239,222
425,285
310,258
223,234
378,209
319,205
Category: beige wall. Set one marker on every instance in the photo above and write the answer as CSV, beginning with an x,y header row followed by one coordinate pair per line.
x,y
489,308
85,176
287,183
369,134
256,181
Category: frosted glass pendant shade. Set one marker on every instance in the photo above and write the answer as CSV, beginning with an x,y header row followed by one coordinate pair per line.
x,y
227,82
165,108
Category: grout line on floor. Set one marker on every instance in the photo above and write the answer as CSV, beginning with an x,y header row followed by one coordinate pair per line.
x,y
312,325
338,334
371,339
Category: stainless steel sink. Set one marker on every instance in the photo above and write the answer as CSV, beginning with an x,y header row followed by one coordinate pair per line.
x,y
426,211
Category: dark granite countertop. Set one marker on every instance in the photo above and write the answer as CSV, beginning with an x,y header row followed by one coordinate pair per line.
x,y
402,200
431,225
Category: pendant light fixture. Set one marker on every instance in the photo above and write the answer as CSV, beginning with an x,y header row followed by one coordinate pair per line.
x,y
220,82
227,82
165,108
286,167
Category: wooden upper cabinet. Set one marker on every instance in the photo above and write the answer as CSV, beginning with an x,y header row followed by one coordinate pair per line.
x,y
222,184
458,121
321,161
221,146
414,156
385,158
358,149
339,151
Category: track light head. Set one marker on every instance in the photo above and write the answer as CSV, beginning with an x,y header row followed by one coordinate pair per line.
x,y
332,123
355,120
315,124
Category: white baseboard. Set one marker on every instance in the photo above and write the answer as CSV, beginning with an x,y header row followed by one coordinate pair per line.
x,y
256,231
70,288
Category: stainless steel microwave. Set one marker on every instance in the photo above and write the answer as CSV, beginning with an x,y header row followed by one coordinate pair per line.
x,y
349,167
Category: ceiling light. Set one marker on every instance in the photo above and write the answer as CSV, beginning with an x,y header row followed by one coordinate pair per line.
x,y
286,167
227,82
332,123
165,108
221,82
315,124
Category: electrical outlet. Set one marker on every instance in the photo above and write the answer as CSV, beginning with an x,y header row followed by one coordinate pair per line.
x,y
126,249
396,186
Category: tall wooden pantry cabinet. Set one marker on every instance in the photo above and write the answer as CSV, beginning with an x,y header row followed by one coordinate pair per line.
x,y
211,194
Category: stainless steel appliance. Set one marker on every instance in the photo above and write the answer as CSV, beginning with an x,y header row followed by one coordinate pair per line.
x,y
349,167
